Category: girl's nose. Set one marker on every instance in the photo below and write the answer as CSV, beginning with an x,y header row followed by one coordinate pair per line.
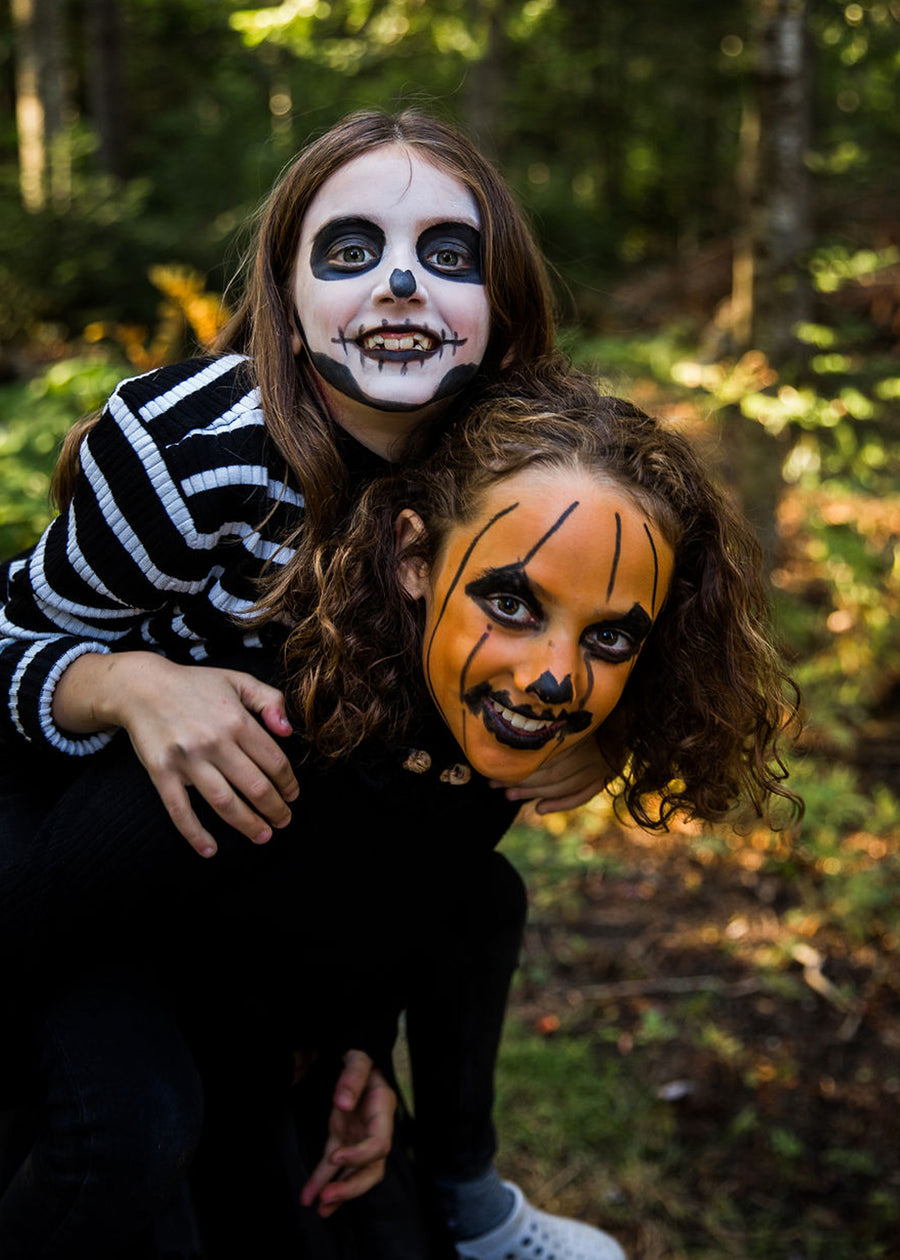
x,y
402,283
552,690
396,282
549,675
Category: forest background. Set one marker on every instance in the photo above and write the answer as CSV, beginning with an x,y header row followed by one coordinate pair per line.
x,y
702,1054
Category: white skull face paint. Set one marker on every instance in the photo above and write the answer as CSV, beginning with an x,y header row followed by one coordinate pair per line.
x,y
536,612
388,288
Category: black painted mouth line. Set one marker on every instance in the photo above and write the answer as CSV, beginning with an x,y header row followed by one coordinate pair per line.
x,y
494,713
398,343
400,356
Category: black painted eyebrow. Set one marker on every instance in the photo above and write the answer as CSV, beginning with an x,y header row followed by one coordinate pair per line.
x,y
508,579
637,622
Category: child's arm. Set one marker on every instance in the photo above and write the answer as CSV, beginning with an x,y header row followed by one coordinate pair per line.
x,y
191,726
566,781
156,548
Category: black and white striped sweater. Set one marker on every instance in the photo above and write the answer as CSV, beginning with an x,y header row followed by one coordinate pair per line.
x,y
182,500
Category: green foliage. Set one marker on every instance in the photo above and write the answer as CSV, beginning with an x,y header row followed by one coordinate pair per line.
x,y
34,418
219,96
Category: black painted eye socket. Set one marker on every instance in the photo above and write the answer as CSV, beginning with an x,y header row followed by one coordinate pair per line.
x,y
451,250
345,247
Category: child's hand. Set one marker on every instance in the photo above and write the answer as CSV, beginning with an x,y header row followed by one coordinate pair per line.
x,y
191,726
566,781
360,1131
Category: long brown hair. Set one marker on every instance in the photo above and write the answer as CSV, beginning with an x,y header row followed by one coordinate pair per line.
x,y
518,290
262,327
699,725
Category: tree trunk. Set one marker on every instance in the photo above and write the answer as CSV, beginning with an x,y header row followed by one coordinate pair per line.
x,y
780,201
103,33
486,78
770,290
44,159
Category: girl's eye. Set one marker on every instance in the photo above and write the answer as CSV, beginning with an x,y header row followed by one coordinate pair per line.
x,y
351,257
450,259
610,643
509,610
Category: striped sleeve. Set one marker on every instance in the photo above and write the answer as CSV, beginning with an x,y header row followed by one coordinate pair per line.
x,y
129,545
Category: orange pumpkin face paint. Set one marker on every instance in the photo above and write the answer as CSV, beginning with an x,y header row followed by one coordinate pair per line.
x,y
536,612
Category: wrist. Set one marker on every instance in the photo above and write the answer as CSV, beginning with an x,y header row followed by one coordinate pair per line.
x,y
98,689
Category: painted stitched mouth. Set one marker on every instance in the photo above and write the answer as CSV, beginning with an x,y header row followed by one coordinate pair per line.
x,y
399,342
521,729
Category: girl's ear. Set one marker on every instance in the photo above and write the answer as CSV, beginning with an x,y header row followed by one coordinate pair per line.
x,y
413,571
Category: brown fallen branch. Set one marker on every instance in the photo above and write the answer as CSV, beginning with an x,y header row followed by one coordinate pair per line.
x,y
672,984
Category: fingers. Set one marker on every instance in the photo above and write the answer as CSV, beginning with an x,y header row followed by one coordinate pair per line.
x,y
178,805
207,737
552,805
235,788
265,701
359,1140
353,1079
571,778
347,1172
323,1172
350,1186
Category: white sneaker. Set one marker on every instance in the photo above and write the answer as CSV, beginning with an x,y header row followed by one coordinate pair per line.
x,y
529,1234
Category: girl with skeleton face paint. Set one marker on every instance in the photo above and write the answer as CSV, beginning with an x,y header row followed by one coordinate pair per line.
x,y
390,293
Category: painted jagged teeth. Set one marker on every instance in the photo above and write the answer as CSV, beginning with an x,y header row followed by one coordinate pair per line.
x,y
519,722
388,341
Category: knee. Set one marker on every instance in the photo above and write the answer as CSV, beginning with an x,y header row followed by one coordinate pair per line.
x,y
125,1146
165,1131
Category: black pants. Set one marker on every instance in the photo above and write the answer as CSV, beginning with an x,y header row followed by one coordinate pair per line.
x,y
132,952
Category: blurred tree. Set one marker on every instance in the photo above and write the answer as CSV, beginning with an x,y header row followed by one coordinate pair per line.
x,y
106,91
772,278
771,292
44,160
617,124
487,77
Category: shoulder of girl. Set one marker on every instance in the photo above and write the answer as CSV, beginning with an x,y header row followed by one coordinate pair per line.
x,y
216,378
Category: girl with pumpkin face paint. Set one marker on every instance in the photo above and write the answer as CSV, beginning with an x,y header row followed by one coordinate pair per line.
x,y
545,569
393,279
562,570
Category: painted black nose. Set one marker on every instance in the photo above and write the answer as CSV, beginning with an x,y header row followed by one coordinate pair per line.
x,y
547,688
403,283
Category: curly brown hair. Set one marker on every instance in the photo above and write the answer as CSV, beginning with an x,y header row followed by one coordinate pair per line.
x,y
699,726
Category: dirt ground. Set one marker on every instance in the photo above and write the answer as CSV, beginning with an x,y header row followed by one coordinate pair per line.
x,y
775,1049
